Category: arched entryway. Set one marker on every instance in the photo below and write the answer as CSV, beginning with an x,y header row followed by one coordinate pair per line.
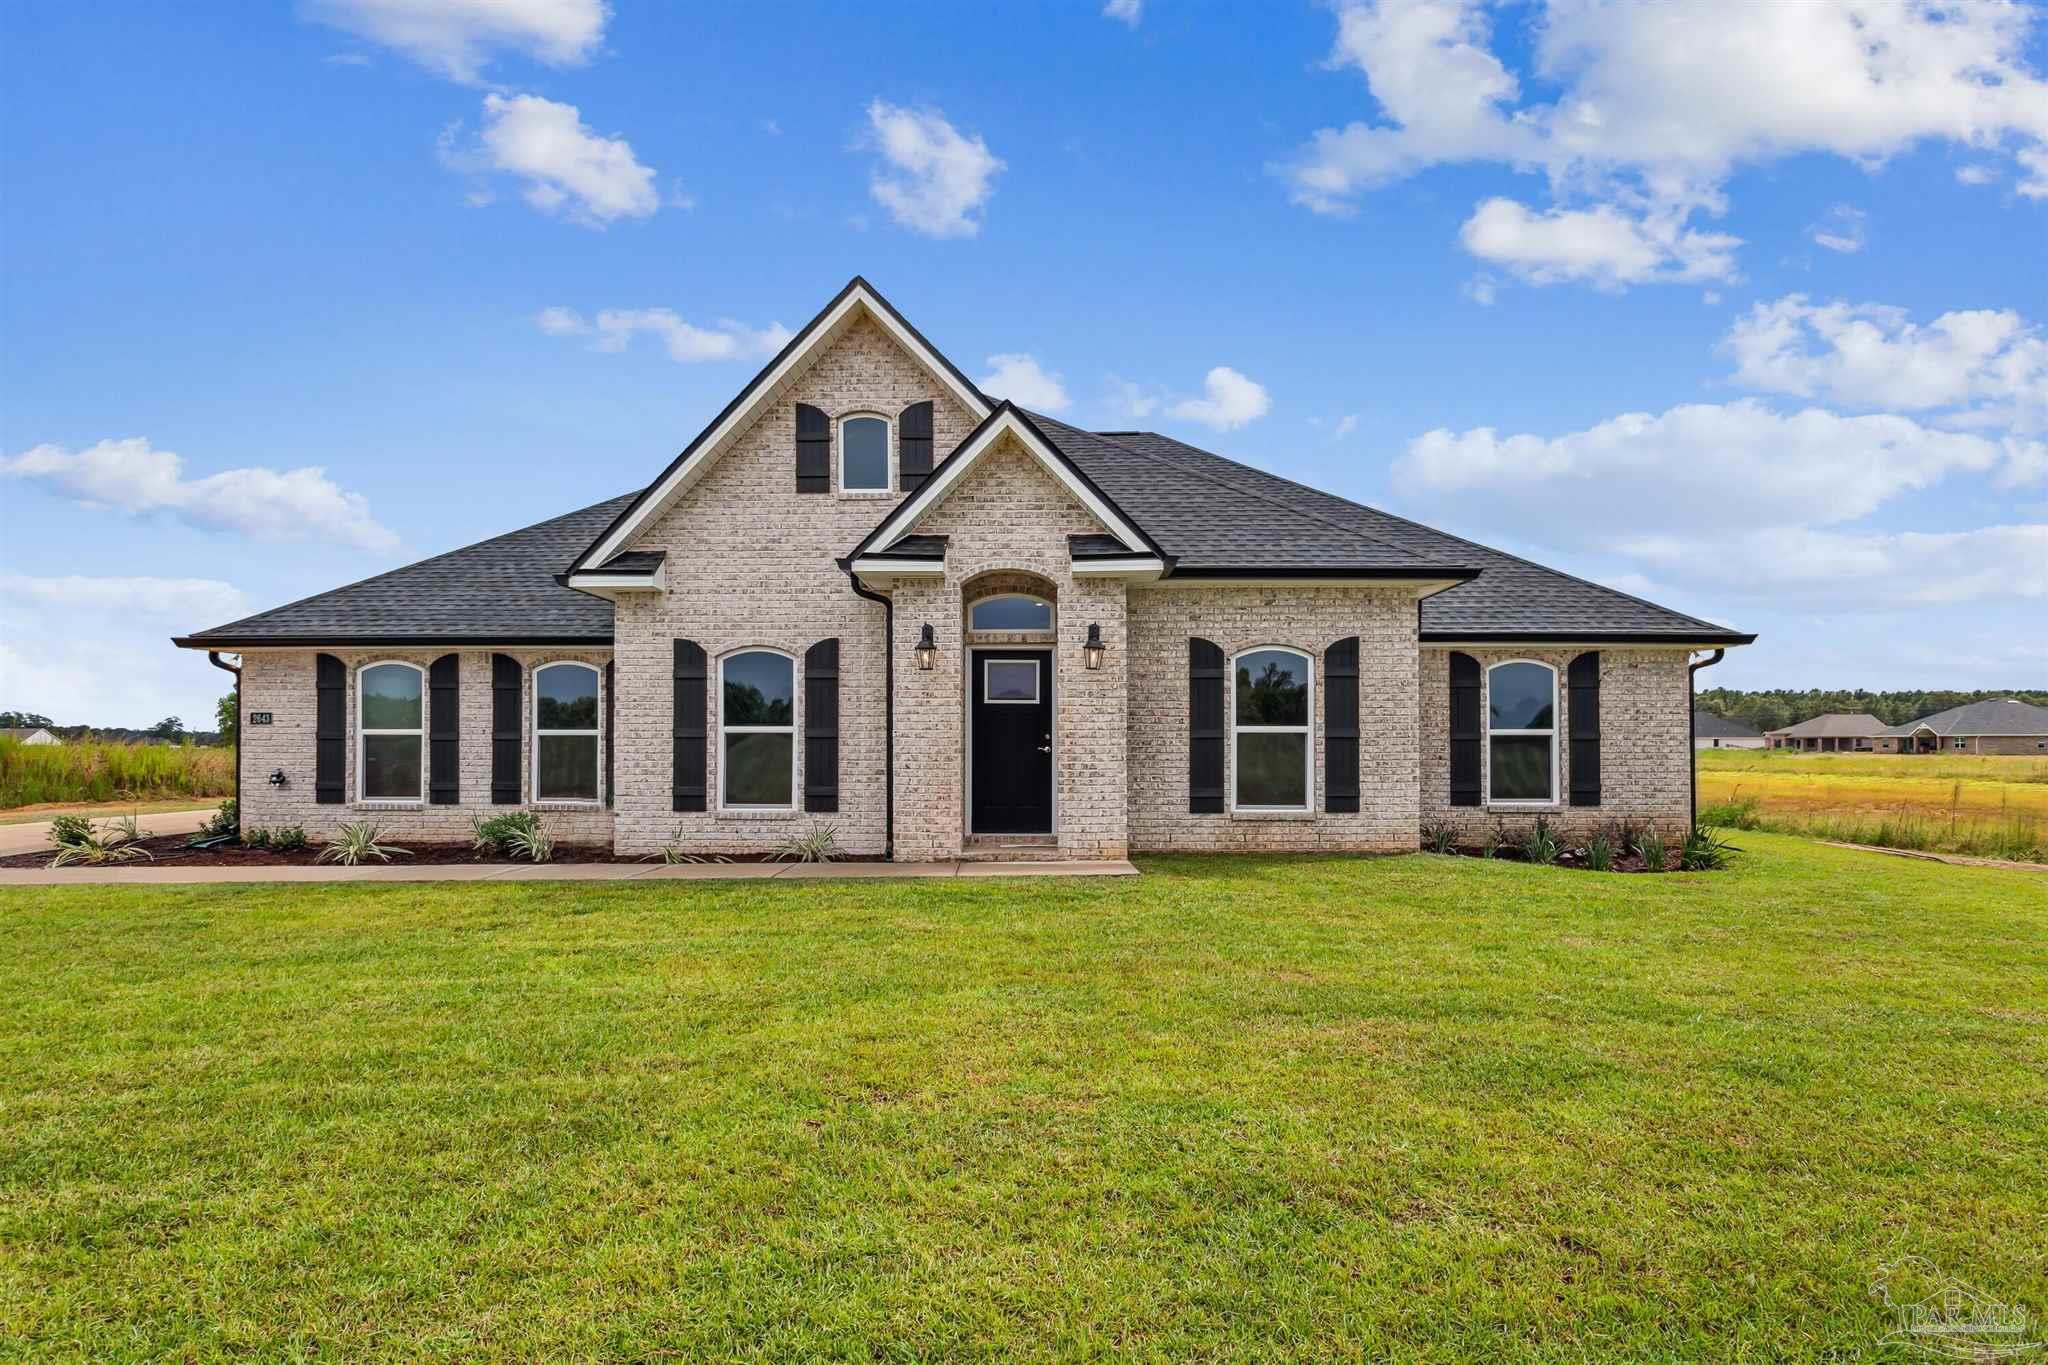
x,y
1010,623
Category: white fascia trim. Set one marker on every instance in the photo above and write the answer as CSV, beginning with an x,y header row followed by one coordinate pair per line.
x,y
905,516
1422,587
884,567
591,580
1133,566
768,387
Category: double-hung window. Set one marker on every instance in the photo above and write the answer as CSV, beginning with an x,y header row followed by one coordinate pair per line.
x,y
1521,732
391,727
565,732
1271,709
757,731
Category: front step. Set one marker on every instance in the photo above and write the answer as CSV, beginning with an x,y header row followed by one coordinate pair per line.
x,y
1012,848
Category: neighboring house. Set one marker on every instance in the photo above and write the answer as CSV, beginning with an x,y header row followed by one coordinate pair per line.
x,y
1837,731
28,736
1710,731
2000,725
868,594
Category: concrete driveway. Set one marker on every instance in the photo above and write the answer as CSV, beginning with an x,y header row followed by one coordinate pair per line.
x,y
32,838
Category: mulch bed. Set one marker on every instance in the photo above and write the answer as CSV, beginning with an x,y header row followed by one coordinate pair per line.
x,y
1507,853
172,848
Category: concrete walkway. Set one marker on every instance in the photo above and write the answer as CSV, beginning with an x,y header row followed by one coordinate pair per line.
x,y
146,874
35,837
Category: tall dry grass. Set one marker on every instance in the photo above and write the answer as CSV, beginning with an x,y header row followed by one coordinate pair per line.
x,y
2011,833
93,770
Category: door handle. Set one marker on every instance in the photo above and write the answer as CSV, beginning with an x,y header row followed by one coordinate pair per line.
x,y
1045,748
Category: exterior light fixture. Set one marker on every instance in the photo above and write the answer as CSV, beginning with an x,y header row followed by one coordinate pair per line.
x,y
1091,652
927,649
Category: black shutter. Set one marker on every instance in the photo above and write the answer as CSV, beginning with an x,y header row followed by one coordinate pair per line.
x,y
611,708
444,730
821,726
1340,726
505,730
1205,727
1466,733
813,451
687,759
330,731
914,446
1583,699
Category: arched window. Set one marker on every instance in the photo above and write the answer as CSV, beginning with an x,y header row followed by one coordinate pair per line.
x,y
1010,611
1271,707
757,730
1521,732
565,733
864,455
391,727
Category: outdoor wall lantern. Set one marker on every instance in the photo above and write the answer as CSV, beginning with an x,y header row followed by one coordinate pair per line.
x,y
1091,652
277,777
927,649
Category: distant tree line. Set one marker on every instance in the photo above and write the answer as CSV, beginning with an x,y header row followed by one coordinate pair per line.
x,y
1779,707
169,730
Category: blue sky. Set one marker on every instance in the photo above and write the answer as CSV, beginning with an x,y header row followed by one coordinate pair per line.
x,y
1739,310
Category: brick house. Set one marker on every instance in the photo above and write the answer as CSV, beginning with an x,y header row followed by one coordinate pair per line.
x,y
1996,725
1834,732
869,595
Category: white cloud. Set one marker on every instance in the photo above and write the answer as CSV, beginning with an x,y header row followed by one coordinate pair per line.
x,y
614,329
1229,401
1022,380
1346,424
1799,566
1481,289
566,168
1842,228
1125,11
1657,105
131,476
2034,178
1989,366
182,599
1132,401
457,38
1602,246
1975,175
935,180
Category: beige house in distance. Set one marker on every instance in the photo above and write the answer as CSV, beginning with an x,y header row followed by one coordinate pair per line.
x,y
2001,725
1835,732
870,595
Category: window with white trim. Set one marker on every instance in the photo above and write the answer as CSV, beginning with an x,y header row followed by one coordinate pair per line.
x,y
1271,708
391,732
757,731
565,732
1010,611
864,454
1521,732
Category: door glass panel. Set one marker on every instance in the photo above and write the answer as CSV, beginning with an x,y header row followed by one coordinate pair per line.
x,y
1010,613
1011,680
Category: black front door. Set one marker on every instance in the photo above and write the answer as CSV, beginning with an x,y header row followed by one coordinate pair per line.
x,y
1011,714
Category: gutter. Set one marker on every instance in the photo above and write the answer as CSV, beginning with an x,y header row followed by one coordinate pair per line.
x,y
1692,725
888,707
213,657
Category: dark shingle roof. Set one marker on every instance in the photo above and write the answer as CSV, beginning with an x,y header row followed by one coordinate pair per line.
x,y
498,591
1089,547
1992,716
1707,725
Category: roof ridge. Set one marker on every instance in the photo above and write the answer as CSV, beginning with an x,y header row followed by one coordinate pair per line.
x,y
1248,492
1447,535
415,564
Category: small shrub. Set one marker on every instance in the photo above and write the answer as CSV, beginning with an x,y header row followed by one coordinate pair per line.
x,y
355,843
78,841
1651,845
1495,836
256,838
532,843
1539,845
1701,851
674,854
1627,836
290,839
1600,853
225,817
819,845
496,834
67,830
1439,836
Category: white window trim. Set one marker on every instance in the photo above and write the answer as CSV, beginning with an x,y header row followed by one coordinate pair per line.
x,y
796,693
533,724
1051,616
889,475
1556,705
362,767
1306,731
988,691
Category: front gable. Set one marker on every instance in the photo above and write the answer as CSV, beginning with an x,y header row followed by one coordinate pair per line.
x,y
856,307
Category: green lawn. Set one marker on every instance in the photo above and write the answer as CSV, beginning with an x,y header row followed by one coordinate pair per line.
x,y
1254,1108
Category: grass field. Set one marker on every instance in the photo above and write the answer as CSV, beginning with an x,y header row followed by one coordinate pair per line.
x,y
91,771
1994,807
1418,1107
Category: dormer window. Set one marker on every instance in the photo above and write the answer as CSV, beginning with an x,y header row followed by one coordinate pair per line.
x,y
864,455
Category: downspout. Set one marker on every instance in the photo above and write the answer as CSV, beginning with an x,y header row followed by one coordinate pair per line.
x,y
213,657
1692,725
888,709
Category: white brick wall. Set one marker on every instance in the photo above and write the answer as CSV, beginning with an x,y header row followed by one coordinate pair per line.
x,y
1645,757
1310,619
284,684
